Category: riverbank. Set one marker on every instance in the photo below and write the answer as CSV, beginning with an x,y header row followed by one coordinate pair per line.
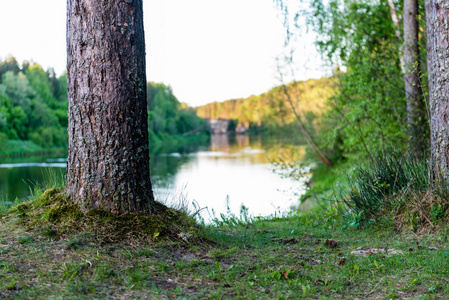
x,y
175,143
303,255
20,148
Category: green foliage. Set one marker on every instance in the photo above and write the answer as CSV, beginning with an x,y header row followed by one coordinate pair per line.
x,y
19,147
369,111
229,218
437,211
32,104
9,64
17,88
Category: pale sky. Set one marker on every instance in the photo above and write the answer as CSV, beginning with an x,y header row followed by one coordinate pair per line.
x,y
206,50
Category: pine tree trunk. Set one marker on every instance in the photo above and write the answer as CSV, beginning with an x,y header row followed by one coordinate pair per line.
x,y
108,162
416,111
437,18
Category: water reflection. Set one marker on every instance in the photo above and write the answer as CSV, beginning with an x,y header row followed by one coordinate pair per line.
x,y
18,179
235,171
165,162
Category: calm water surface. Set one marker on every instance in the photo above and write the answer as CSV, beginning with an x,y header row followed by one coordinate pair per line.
x,y
229,172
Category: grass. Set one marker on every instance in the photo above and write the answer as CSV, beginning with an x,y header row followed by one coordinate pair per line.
x,y
307,255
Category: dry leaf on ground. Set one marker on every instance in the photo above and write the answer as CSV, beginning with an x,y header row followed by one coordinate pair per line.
x,y
283,273
331,243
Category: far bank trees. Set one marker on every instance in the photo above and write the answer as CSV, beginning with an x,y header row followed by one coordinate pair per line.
x,y
33,106
108,161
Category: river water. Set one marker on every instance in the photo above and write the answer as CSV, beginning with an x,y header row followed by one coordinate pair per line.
x,y
221,176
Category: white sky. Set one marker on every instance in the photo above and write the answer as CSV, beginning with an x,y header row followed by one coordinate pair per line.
x,y
206,50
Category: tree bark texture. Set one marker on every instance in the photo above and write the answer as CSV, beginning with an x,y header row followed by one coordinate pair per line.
x,y
108,162
416,111
437,19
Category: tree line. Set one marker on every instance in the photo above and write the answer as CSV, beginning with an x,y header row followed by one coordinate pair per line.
x,y
270,112
167,117
33,106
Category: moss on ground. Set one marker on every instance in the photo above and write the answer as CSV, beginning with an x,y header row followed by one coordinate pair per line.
x,y
54,215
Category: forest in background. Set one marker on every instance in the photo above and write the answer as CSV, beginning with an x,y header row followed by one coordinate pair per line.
x,y
33,110
33,104
271,113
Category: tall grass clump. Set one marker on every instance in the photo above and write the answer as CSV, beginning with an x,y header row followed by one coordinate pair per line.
x,y
55,179
385,184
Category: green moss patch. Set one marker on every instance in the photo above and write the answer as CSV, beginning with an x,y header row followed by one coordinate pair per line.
x,y
53,214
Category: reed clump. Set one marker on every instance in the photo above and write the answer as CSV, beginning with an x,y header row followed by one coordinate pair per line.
x,y
397,189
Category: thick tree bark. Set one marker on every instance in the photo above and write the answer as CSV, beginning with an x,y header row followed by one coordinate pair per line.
x,y
416,111
108,162
437,18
